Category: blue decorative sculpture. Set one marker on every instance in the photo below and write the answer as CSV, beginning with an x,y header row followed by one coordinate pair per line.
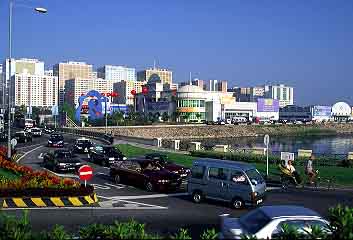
x,y
94,105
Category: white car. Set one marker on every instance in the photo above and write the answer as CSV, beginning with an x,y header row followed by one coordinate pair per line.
x,y
266,222
36,132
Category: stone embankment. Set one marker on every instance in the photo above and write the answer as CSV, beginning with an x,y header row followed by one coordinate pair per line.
x,y
215,131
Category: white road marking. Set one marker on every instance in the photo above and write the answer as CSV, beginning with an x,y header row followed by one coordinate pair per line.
x,y
99,186
145,196
18,160
272,188
29,146
144,204
107,186
40,156
119,186
130,205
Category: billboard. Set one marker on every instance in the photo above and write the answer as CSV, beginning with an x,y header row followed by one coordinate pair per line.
x,y
321,111
267,105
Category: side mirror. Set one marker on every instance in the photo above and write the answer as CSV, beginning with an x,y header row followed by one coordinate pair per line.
x,y
254,182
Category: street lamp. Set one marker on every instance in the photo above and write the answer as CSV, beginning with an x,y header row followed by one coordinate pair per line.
x,y
39,10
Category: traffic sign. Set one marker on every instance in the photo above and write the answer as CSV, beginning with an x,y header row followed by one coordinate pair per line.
x,y
287,156
55,110
85,172
267,140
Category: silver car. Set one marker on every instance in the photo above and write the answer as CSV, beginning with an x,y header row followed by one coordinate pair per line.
x,y
266,222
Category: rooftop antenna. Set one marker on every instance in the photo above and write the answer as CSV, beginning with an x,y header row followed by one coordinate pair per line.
x,y
190,79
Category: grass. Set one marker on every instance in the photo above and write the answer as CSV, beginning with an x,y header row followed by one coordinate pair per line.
x,y
8,174
343,176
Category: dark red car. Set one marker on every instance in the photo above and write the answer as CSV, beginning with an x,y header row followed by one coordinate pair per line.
x,y
144,173
162,160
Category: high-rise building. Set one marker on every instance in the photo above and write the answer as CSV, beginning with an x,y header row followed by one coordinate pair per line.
x,y
117,73
49,73
280,92
70,70
155,74
124,89
35,90
19,66
74,88
218,85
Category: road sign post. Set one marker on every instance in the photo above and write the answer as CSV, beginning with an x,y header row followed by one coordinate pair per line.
x,y
85,173
267,142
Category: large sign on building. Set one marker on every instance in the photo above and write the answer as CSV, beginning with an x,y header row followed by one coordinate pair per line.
x,y
321,111
267,105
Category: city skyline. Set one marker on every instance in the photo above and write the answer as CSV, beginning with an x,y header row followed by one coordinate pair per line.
x,y
305,44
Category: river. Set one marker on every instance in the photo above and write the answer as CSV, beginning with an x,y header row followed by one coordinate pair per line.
x,y
337,146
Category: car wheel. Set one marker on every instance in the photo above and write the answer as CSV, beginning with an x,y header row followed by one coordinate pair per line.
x,y
197,196
149,187
237,203
117,179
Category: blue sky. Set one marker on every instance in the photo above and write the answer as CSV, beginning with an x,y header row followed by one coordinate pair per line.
x,y
304,43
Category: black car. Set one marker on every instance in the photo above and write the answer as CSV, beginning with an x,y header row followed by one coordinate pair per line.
x,y
61,161
56,140
23,136
106,155
83,145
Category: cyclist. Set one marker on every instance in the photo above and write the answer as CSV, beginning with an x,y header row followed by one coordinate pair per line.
x,y
292,170
309,170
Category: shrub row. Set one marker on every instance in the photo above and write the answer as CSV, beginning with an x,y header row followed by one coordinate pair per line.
x,y
340,227
253,158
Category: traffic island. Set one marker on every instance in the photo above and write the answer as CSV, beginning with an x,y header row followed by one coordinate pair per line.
x,y
32,189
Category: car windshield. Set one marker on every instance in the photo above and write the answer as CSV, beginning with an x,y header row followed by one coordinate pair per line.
x,y
81,142
63,155
254,221
253,174
57,137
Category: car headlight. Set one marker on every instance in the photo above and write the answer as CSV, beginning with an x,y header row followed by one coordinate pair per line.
x,y
187,170
176,171
50,141
79,147
111,159
91,148
124,158
62,164
163,181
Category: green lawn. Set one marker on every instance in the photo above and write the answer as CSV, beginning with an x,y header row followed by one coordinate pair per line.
x,y
343,176
7,174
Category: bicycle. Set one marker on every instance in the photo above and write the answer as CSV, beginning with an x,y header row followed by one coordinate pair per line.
x,y
319,181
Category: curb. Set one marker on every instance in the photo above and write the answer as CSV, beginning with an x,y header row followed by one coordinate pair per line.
x,y
35,202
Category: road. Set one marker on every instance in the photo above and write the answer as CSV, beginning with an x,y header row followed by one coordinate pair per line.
x,y
162,213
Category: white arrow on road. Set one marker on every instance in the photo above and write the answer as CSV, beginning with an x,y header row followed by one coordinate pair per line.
x,y
40,156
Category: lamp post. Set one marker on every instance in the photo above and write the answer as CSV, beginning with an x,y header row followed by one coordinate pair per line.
x,y
39,10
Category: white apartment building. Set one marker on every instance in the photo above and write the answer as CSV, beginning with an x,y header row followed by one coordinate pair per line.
x,y
124,89
35,90
74,88
280,92
117,73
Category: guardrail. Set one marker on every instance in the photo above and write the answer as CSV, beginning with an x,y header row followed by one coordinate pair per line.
x,y
90,134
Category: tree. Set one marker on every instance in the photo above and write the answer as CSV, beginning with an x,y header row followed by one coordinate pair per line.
x,y
198,116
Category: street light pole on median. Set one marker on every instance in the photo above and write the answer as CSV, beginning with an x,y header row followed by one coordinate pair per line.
x,y
39,10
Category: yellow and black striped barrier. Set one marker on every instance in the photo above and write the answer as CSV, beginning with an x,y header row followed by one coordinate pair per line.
x,y
35,202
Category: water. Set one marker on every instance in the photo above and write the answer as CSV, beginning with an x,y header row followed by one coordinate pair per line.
x,y
337,146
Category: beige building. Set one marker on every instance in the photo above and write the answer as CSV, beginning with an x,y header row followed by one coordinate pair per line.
x,y
35,90
155,74
124,89
71,70
74,88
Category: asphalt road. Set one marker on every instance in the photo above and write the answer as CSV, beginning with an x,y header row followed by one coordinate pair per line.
x,y
162,213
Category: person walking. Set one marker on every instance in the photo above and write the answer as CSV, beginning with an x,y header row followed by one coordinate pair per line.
x,y
309,169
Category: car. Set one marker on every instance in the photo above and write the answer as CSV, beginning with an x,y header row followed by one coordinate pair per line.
x,y
238,120
23,136
48,130
105,155
237,183
82,145
266,222
162,160
36,132
144,173
61,161
56,140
